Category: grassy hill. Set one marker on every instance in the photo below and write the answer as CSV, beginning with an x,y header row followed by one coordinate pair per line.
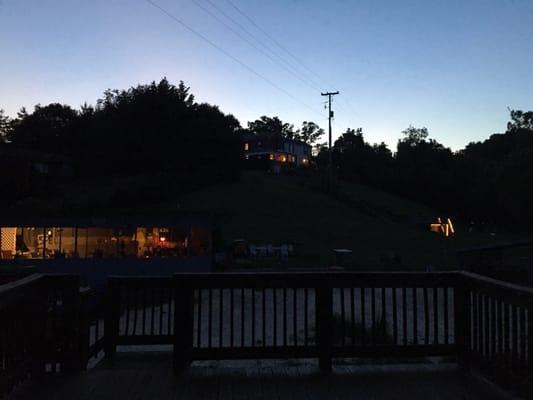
x,y
378,227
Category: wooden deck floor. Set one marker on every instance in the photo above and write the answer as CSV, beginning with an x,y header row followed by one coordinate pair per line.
x,y
150,376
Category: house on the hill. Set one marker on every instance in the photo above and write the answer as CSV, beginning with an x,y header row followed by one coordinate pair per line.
x,y
272,153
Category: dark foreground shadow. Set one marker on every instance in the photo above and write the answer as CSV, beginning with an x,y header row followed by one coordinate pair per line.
x,y
150,376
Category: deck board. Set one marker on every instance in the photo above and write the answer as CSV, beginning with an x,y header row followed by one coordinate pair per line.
x,y
146,376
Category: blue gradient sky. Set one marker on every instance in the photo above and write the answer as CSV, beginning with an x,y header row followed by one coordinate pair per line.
x,y
453,66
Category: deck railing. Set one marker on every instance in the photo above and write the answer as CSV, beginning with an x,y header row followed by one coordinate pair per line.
x,y
500,318
140,311
48,324
39,327
316,314
484,323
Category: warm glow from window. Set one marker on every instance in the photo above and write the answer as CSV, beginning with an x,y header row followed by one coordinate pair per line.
x,y
246,146
271,156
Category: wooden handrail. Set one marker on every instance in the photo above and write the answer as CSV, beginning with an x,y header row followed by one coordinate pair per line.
x,y
336,279
509,292
12,292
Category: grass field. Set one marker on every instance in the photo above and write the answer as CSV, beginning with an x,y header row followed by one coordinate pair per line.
x,y
378,227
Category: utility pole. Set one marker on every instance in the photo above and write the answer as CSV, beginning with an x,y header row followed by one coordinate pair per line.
x,y
330,153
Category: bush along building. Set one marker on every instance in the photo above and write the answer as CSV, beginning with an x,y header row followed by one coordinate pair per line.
x,y
274,153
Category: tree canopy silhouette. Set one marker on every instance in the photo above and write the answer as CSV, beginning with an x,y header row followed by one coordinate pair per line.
x,y
271,127
5,126
161,137
157,131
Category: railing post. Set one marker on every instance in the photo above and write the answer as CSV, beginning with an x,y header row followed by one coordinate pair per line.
x,y
529,341
37,327
324,321
183,323
71,319
462,328
85,296
112,319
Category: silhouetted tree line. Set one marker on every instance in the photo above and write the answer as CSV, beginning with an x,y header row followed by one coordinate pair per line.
x,y
156,131
274,128
487,183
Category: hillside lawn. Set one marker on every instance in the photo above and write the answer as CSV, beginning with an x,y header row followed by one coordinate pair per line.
x,y
384,232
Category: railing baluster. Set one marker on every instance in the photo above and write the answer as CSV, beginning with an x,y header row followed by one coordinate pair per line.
x,y
475,327
426,316
394,316
274,309
435,315
294,314
127,300
209,318
514,358
384,313
285,316
404,314
480,324
343,317
486,317
161,303
221,317
263,327
144,305
306,322
352,315
481,327
373,314
507,334
253,316
232,318
199,321
152,321
523,322
493,327
242,316
446,317
529,338
415,316
170,327
500,328
363,316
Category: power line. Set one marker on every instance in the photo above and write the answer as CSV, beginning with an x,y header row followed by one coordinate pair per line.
x,y
206,10
276,42
348,108
227,54
229,17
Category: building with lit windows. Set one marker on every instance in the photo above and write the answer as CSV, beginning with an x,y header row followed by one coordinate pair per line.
x,y
98,247
275,154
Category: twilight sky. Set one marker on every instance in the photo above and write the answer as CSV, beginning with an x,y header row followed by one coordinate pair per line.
x,y
453,66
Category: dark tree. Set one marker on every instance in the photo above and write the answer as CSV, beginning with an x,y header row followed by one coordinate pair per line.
x,y
155,134
309,132
159,128
47,129
271,127
5,126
